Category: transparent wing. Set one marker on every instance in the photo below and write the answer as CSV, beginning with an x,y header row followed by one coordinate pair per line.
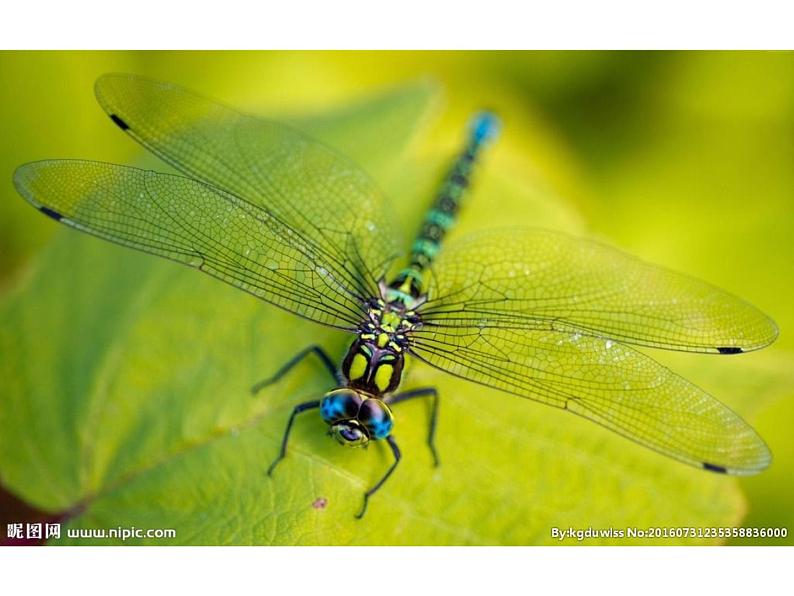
x,y
604,381
316,191
200,226
535,279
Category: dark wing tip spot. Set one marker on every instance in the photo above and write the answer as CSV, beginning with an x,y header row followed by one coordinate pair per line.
x,y
50,213
119,122
730,350
713,468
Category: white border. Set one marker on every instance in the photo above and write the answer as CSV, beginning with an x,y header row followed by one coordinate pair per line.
x,y
397,24
398,571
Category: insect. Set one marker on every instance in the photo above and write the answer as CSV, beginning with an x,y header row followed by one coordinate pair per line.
x,y
535,313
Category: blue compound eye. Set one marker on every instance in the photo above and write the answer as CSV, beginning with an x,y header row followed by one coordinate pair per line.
x,y
340,404
376,418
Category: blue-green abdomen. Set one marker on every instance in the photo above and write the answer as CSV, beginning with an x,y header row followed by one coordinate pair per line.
x,y
442,215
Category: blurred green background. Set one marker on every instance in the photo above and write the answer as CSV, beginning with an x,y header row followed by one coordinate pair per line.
x,y
682,158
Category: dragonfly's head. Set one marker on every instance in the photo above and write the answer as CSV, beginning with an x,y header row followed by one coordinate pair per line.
x,y
355,417
349,433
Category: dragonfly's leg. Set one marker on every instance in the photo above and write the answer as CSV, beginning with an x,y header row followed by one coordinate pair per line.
x,y
431,392
315,349
309,405
396,451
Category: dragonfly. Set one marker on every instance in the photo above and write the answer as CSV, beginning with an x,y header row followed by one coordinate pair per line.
x,y
535,313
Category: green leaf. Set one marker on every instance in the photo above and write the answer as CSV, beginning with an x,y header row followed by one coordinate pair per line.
x,y
126,401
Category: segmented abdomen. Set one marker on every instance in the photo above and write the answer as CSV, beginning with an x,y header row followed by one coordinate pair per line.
x,y
441,216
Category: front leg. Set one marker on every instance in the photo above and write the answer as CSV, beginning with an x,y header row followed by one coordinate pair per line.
x,y
396,451
309,405
431,392
314,349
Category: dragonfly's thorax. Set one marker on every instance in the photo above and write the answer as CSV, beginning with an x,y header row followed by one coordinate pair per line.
x,y
374,365
374,362
388,324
